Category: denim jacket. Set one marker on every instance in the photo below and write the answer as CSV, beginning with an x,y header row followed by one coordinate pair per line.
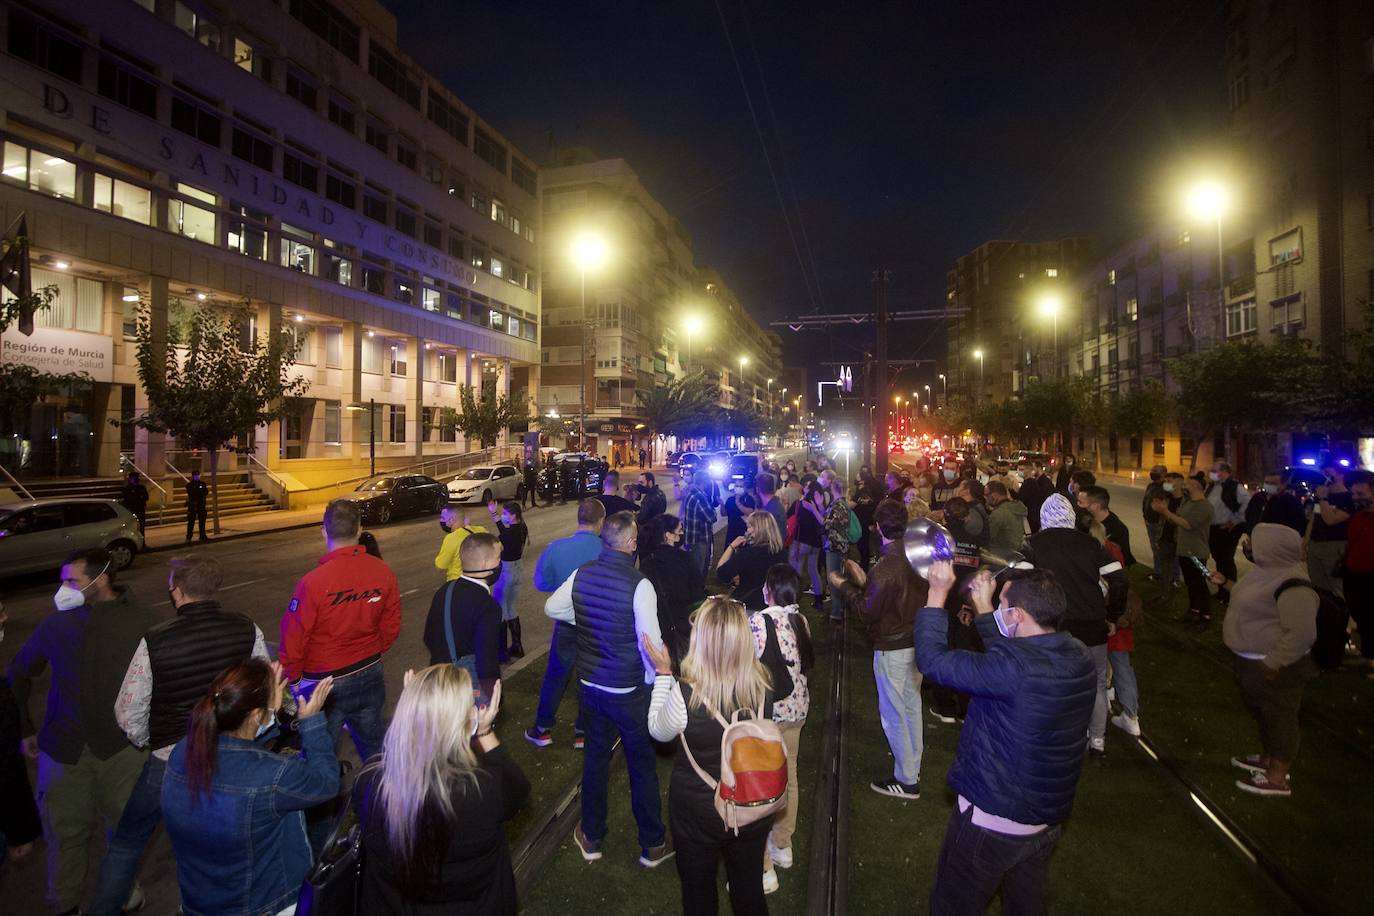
x,y
241,849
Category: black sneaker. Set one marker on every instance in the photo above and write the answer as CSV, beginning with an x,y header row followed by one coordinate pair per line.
x,y
591,851
539,737
656,856
892,787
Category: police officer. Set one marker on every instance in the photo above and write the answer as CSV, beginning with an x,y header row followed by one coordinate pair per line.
x,y
135,499
196,491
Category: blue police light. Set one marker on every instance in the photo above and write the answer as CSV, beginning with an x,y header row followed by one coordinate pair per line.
x,y
717,469
1310,462
1344,462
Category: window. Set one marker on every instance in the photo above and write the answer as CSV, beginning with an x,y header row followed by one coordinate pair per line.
x,y
405,222
448,425
41,171
498,212
1132,308
434,235
455,242
296,254
405,290
397,362
1054,272
496,319
337,267
396,432
374,279
523,177
374,208
1239,90
196,25
489,150
1111,277
333,423
513,326
372,353
44,46
341,113
377,135
1286,249
1241,318
455,186
333,347
190,220
130,88
320,17
497,267
248,232
301,334
429,299
250,58
406,155
428,420
195,121
448,118
78,305
388,71
1289,314
300,88
479,254
120,198
340,190
432,170
300,172
448,367
252,149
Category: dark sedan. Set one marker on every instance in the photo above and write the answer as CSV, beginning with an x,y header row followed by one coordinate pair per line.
x,y
560,478
383,498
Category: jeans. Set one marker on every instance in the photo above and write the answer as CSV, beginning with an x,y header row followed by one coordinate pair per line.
x,y
70,797
142,814
834,562
805,559
562,662
507,590
1153,531
975,862
701,558
899,710
1097,725
1123,679
628,715
701,841
358,700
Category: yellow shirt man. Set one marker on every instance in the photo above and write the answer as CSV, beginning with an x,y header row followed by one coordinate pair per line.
x,y
449,559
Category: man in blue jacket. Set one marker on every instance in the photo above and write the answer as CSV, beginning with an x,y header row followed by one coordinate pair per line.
x,y
1021,749
558,561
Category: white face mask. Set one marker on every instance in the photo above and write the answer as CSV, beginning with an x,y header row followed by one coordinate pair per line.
x,y
265,726
1271,488
1008,632
1168,488
949,475
69,599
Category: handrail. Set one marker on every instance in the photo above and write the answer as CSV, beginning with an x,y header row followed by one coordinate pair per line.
x,y
173,468
276,478
477,457
828,878
162,506
17,485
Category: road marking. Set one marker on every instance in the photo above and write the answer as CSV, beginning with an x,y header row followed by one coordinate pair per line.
x,y
225,589
410,591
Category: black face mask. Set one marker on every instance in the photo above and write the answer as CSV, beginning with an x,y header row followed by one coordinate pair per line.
x,y
445,527
484,575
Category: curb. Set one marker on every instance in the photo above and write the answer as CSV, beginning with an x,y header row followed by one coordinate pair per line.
x,y
232,537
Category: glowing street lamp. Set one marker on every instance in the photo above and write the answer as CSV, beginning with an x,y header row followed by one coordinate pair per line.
x,y
1050,306
589,252
692,326
1209,200
978,355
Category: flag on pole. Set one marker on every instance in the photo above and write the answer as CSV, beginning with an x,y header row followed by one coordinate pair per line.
x,y
14,271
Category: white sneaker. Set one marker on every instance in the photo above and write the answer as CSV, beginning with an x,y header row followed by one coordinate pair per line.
x,y
1097,747
1128,724
782,858
770,881
1111,694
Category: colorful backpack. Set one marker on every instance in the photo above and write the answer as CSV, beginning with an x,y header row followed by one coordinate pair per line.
x,y
753,769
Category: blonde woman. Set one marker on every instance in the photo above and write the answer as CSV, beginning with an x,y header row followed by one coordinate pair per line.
x,y
747,558
433,803
720,674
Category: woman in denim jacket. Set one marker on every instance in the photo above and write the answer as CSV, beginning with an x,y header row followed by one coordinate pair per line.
x,y
235,810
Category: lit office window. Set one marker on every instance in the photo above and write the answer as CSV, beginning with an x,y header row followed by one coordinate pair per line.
x,y
40,171
120,198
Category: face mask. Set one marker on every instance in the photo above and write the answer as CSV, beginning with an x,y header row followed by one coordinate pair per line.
x,y
445,527
266,726
1271,488
1008,632
483,575
68,598
949,475
1214,476
1168,488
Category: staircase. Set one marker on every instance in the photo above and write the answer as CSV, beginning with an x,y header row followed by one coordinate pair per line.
x,y
75,488
237,496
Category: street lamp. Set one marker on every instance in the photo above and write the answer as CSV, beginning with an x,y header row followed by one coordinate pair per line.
x,y
978,355
589,252
1209,200
1050,307
692,326
944,387
743,361
769,395
371,408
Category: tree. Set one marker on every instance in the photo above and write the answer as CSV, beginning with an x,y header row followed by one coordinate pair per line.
x,y
682,407
485,413
213,379
556,426
1141,411
38,300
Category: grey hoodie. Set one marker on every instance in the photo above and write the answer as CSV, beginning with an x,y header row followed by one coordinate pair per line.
x,y
1281,630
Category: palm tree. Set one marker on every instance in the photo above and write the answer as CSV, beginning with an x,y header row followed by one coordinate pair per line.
x,y
674,408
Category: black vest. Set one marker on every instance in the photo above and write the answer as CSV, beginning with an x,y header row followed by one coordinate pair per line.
x,y
185,655
603,599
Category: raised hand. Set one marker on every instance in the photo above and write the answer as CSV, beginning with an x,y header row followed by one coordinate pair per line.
x,y
486,715
316,701
658,654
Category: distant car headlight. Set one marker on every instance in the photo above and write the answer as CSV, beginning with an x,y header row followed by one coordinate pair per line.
x,y
717,470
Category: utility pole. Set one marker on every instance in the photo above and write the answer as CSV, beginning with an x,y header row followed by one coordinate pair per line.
x,y
880,395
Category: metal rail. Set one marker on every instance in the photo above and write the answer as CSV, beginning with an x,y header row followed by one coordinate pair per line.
x,y
124,459
828,867
16,484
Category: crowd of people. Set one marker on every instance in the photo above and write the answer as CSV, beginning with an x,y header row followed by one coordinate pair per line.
x,y
196,723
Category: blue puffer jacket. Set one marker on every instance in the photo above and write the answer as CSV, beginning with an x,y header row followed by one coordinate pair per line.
x,y
1022,745
603,594
242,849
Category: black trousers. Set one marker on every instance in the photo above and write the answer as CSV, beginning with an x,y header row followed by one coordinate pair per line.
x,y
1199,598
1223,545
701,841
1359,596
195,514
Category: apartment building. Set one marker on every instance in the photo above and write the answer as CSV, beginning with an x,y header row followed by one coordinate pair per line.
x,y
644,315
286,154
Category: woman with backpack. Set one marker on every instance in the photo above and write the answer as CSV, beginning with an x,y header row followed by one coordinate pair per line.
x,y
782,637
746,560
721,676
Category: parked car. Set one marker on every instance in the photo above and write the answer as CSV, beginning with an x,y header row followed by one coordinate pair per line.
x,y
500,482
560,477
381,499
38,534
689,461
1037,458
743,468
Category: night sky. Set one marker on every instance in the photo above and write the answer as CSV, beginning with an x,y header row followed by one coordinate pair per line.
x,y
900,134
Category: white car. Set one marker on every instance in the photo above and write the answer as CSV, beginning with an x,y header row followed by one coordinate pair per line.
x,y
483,484
38,534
